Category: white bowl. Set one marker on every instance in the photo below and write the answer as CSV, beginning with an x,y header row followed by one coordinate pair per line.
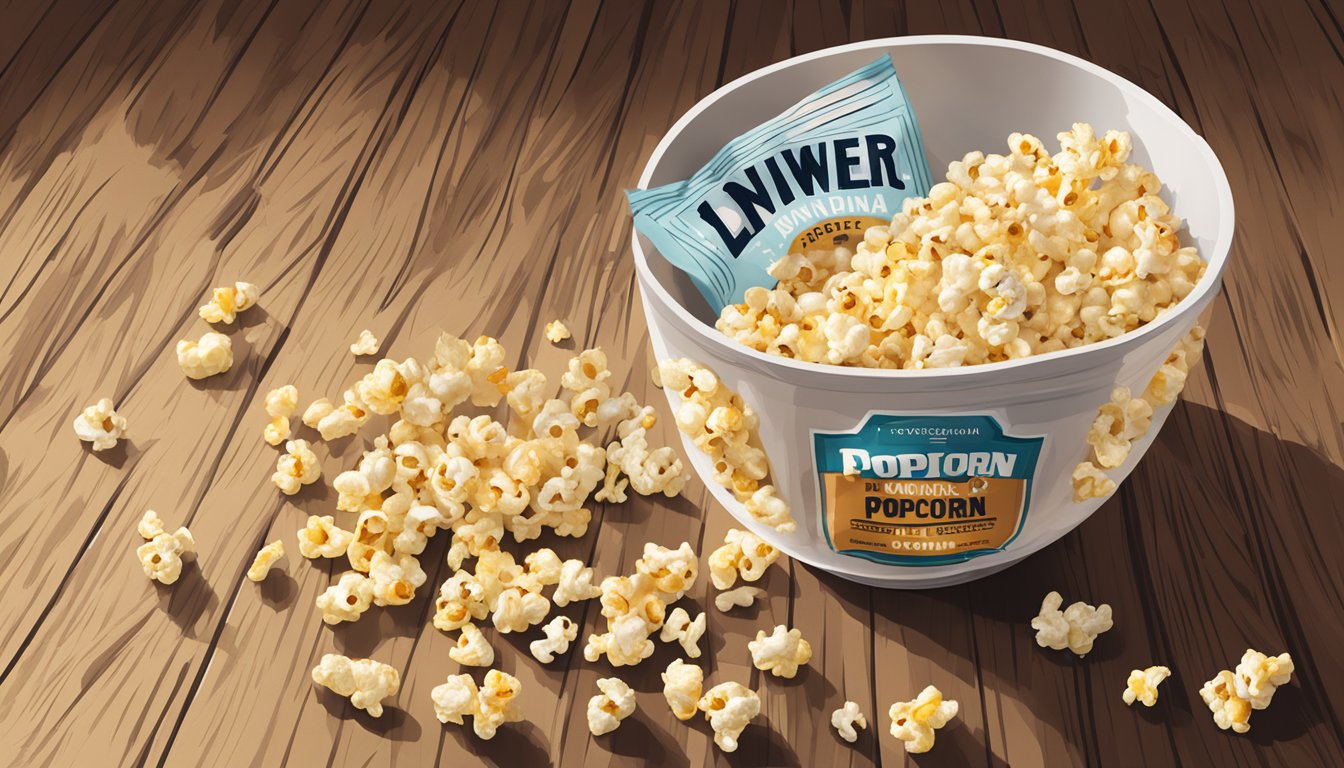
x,y
969,93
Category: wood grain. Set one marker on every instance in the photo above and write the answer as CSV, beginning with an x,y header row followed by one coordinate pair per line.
x,y
459,166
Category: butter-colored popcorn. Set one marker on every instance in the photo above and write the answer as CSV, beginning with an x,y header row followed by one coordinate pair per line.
x,y
686,632
455,699
366,682
1229,709
347,599
1075,628
556,332
1258,676
517,609
266,559
497,703
766,506
743,553
1089,482
1142,685
212,354
100,425
472,649
150,525
395,578
461,600
682,685
560,632
228,301
625,643
297,466
781,652
280,405
1167,384
321,537
742,597
729,707
574,584
161,557
1118,423
486,370
846,719
672,571
366,344
607,709
334,422
916,722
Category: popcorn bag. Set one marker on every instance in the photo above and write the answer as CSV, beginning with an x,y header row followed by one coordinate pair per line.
x,y
935,426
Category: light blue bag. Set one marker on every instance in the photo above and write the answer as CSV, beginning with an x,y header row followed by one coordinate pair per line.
x,y
817,176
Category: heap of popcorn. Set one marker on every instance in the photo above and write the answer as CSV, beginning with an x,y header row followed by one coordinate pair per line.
x,y
1014,255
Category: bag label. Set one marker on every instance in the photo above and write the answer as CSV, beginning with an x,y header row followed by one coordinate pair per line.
x,y
815,177
924,490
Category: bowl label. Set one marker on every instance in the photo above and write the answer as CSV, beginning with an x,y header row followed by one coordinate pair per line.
x,y
924,490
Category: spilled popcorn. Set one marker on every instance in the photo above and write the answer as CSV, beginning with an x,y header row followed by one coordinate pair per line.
x,y
267,557
916,722
280,405
682,685
607,709
100,425
1142,685
742,597
211,355
556,331
1075,628
781,652
366,344
364,681
162,553
1231,696
228,301
729,707
494,704
846,719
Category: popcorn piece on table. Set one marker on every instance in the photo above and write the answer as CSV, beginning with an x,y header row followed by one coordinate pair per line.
x,y
845,719
1075,628
211,355
334,422
228,301
280,405
297,467
743,553
455,699
321,537
101,425
742,597
575,584
729,707
266,559
461,600
161,557
1229,709
150,525
497,703
1142,685
556,332
366,344
681,629
516,609
1231,696
366,682
672,571
607,709
682,685
781,652
347,599
395,578
472,649
1089,482
766,506
915,722
634,609
560,632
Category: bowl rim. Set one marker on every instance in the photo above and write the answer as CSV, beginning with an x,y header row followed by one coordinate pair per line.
x,y
1212,279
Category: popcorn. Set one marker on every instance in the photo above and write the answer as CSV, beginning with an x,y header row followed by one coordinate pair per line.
x,y
680,628
1014,255
280,405
347,599
472,649
1075,628
1231,696
1118,423
1167,383
781,652
455,699
556,332
742,597
497,703
768,508
682,685
321,538
394,578
211,355
575,583
517,609
560,632
649,471
334,422
485,368
161,556
365,681
296,468
461,600
672,571
366,344
743,553
729,707
100,425
150,525
1091,483
916,722
845,719
228,301
607,709
1142,685
265,560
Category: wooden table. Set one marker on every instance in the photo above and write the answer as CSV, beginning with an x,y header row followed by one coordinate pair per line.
x,y
459,166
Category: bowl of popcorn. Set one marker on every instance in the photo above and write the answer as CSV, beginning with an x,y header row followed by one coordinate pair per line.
x,y
924,396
